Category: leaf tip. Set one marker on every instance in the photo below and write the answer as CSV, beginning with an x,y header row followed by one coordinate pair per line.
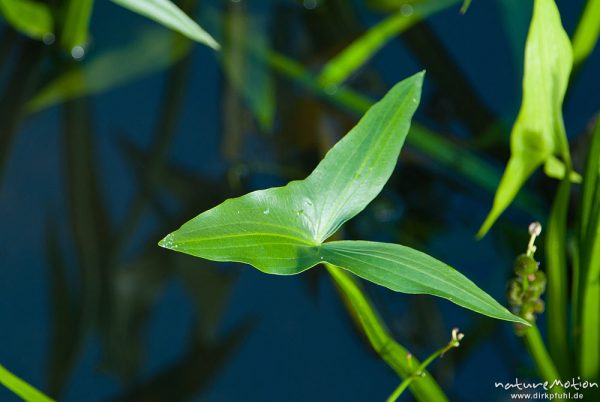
x,y
167,242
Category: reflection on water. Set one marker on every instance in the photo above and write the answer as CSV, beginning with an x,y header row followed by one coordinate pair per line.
x,y
100,157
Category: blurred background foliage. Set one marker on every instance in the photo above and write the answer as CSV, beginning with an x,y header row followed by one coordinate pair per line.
x,y
113,130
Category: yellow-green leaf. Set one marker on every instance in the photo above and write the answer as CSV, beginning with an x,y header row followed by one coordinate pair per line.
x,y
587,32
31,18
76,25
538,133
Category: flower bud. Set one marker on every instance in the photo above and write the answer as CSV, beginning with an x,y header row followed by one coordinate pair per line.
x,y
515,292
525,265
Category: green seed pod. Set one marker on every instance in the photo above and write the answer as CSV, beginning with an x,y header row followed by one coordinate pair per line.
x,y
528,309
538,283
520,329
539,306
525,265
515,292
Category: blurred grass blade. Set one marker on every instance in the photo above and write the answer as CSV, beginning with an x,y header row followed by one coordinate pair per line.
x,y
396,356
248,73
32,18
361,50
589,246
405,270
465,6
168,14
556,258
587,32
64,335
152,51
21,388
76,25
539,131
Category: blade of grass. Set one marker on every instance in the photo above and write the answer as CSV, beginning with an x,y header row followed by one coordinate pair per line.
x,y
21,388
396,356
587,321
362,49
465,6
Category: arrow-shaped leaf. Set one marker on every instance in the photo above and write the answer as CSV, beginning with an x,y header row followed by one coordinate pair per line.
x,y
282,230
539,131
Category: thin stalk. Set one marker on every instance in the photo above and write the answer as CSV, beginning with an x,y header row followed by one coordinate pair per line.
x,y
454,343
395,355
541,357
21,388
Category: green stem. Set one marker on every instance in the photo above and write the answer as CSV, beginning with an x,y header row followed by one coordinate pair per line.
x,y
418,372
556,257
21,388
395,355
541,357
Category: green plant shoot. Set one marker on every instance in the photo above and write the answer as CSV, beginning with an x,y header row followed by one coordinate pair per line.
x,y
539,132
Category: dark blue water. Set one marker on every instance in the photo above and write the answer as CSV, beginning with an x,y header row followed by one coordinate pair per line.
x,y
170,328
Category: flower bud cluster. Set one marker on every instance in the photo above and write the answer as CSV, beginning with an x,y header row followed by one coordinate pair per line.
x,y
526,289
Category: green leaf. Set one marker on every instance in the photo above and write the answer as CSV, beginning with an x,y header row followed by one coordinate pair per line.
x,y
406,270
587,32
539,131
31,18
361,50
152,51
20,387
282,230
168,14
76,25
